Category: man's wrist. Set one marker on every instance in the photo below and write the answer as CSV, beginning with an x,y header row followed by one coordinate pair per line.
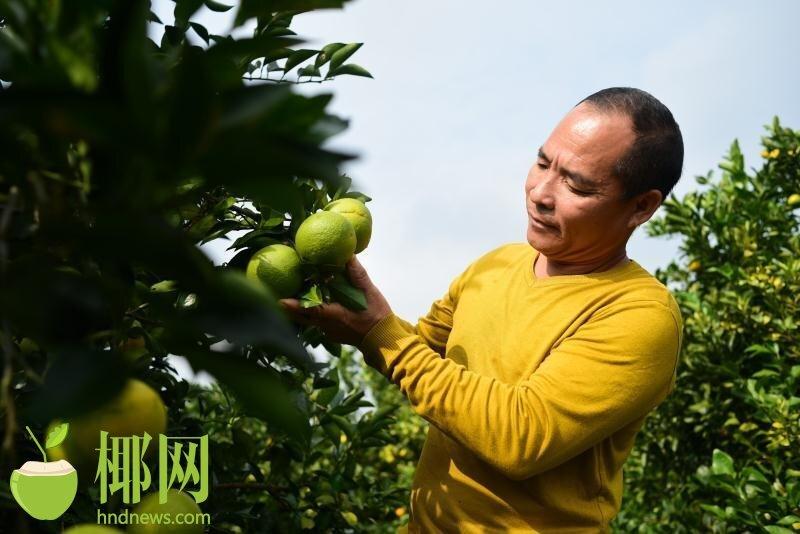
x,y
372,330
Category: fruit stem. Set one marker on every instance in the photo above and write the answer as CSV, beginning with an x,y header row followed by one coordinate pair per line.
x,y
36,441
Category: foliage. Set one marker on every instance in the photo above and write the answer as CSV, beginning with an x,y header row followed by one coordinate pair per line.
x,y
118,156
361,461
721,453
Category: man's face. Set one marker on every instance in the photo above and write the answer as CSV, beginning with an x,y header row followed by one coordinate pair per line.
x,y
571,186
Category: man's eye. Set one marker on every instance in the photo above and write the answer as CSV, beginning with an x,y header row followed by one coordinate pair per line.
x,y
576,191
541,165
582,193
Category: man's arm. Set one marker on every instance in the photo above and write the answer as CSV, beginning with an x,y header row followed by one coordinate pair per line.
x,y
613,370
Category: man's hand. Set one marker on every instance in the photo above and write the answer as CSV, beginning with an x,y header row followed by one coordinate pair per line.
x,y
341,324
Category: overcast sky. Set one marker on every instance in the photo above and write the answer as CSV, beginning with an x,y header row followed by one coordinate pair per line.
x,y
465,92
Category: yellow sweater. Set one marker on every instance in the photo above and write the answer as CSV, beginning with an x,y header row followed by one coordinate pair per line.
x,y
534,389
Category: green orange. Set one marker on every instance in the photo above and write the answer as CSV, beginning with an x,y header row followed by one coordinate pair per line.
x,y
326,238
359,216
277,267
136,409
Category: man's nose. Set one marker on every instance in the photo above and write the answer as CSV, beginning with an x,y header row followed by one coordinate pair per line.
x,y
542,190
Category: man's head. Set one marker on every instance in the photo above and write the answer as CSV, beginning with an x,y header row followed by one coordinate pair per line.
x,y
603,171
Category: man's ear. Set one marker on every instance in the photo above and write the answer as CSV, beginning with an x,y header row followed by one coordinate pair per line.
x,y
646,205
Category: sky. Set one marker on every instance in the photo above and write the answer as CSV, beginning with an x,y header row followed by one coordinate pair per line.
x,y
464,93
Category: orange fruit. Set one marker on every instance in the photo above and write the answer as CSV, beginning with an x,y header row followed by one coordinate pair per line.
x,y
359,216
278,268
326,238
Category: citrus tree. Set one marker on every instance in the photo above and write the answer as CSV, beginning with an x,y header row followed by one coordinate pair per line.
x,y
356,476
722,453
118,157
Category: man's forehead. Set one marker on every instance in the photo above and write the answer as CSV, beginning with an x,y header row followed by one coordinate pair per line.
x,y
595,128
589,141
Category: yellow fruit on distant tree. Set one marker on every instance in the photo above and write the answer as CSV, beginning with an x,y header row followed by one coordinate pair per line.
x,y
178,503
359,216
137,409
793,199
277,267
695,265
350,518
326,238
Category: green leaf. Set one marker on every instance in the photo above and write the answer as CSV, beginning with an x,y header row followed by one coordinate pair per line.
x,y
311,335
260,390
335,349
326,394
326,53
78,381
794,372
344,424
308,70
352,403
56,436
345,182
311,298
243,312
298,57
352,69
714,509
342,54
756,477
267,8
184,9
200,30
722,463
332,431
222,229
359,196
789,520
280,32
165,286
258,239
347,295
217,6
774,529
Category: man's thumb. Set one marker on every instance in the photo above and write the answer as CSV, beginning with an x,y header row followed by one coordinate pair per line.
x,y
357,274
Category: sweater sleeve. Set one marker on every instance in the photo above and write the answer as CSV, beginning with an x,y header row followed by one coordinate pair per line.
x,y
614,369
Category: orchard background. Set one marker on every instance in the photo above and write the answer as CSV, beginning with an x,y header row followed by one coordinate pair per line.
x,y
119,156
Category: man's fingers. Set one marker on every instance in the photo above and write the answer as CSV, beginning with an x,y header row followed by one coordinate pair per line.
x,y
289,304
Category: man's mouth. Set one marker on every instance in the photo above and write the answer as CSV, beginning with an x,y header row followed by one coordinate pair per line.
x,y
541,223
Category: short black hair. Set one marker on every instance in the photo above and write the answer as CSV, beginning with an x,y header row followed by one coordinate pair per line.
x,y
655,159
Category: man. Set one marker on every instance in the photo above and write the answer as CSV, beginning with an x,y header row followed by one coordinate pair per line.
x,y
536,369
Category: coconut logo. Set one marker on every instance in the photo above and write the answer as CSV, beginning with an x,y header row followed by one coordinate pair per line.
x,y
46,489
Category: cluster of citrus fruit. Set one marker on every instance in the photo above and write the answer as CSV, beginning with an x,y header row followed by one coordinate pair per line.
x,y
325,239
